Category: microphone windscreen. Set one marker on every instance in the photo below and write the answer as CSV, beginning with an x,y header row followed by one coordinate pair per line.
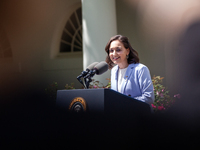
x,y
91,66
101,67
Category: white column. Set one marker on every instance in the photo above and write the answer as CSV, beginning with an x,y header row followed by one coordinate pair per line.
x,y
99,25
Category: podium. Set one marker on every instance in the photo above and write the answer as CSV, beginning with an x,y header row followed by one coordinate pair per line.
x,y
103,101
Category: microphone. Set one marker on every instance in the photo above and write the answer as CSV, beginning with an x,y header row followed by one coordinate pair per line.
x,y
101,67
84,73
98,69
91,66
91,70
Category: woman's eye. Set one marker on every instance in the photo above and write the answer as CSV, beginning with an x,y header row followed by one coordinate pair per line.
x,y
118,50
111,50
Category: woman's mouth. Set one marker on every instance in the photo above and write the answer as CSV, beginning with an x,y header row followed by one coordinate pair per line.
x,y
116,58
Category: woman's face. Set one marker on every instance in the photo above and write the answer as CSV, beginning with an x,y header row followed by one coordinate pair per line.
x,y
118,53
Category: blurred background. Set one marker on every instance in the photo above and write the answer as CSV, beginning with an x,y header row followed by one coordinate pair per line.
x,y
46,41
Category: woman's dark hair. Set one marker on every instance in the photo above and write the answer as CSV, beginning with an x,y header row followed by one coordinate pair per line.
x,y
133,55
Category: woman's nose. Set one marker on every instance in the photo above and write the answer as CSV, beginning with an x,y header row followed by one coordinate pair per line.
x,y
114,53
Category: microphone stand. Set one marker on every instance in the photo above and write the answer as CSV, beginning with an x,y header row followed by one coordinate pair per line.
x,y
88,77
87,82
83,73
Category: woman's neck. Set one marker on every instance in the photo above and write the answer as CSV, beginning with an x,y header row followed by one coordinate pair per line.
x,y
123,65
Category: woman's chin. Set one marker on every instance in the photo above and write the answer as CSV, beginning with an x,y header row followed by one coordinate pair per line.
x,y
116,62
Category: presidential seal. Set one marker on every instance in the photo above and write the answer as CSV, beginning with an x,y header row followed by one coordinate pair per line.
x,y
77,105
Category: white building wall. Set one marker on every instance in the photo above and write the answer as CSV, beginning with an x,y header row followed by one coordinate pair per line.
x,y
99,25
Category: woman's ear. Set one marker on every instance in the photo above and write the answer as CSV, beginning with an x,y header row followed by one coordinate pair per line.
x,y
128,51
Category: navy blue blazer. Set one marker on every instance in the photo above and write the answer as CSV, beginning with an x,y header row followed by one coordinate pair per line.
x,y
136,82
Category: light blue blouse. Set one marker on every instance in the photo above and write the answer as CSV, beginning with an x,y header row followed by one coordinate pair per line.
x,y
136,82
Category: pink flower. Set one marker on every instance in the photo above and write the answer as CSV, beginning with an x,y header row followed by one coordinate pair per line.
x,y
153,105
163,90
161,108
161,95
178,96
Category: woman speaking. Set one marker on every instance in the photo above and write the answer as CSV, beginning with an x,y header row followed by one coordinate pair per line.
x,y
128,76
